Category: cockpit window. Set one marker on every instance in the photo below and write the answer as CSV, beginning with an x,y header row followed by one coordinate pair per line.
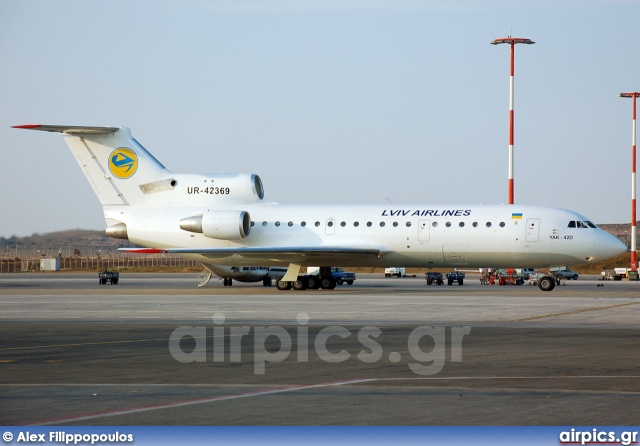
x,y
581,224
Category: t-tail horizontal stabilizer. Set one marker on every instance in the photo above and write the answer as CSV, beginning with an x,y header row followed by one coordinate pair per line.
x,y
114,163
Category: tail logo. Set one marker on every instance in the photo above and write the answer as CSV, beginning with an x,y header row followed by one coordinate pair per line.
x,y
123,163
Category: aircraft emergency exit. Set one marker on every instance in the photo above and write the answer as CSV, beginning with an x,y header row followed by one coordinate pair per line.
x,y
223,219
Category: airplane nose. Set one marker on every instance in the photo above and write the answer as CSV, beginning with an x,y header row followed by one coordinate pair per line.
x,y
610,246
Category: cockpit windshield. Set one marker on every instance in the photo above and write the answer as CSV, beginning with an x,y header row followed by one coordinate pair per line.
x,y
581,224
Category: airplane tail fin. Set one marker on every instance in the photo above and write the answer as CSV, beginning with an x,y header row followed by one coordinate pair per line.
x,y
119,169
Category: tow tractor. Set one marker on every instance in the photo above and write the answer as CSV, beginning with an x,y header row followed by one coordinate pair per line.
x,y
433,277
455,276
108,276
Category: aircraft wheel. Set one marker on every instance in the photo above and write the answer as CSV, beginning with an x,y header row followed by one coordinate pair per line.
x,y
546,283
225,281
300,284
282,285
327,283
230,281
313,283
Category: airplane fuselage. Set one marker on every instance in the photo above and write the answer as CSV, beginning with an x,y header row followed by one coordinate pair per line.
x,y
408,235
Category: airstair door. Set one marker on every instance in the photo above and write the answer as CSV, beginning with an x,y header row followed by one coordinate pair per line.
x,y
533,230
423,230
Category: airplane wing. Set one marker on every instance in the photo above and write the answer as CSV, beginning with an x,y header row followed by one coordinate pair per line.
x,y
280,254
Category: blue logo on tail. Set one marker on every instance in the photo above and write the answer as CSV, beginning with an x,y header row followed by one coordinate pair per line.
x,y
123,163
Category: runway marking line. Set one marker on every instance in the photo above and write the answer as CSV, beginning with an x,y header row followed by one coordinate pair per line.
x,y
195,401
584,310
192,402
130,341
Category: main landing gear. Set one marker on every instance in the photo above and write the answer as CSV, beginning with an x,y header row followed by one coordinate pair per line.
x,y
311,282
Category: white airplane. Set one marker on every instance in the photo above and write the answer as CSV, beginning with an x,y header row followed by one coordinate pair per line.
x,y
223,219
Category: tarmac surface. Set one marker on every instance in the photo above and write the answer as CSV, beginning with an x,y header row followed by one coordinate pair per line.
x,y
157,350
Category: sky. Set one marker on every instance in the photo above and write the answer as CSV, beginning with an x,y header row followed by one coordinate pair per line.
x,y
346,102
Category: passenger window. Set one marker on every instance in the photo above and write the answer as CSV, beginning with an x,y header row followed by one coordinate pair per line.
x,y
343,224
502,224
488,224
330,223
253,223
475,224
317,223
290,223
303,224
572,224
395,224
277,223
369,223
461,224
408,224
448,224
264,223
382,224
434,224
356,224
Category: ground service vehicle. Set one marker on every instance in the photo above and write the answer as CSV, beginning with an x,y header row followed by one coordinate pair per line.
x,y
108,276
526,272
613,274
397,272
565,274
339,274
455,276
434,277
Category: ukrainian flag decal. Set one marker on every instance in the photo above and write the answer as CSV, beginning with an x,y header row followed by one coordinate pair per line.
x,y
123,163
516,216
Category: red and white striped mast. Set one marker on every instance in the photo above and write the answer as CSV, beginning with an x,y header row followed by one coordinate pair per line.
x,y
512,41
634,260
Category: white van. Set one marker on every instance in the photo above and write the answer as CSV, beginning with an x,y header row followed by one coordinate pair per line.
x,y
395,272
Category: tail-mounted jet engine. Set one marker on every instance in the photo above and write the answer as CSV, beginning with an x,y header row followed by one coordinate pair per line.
x,y
222,225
